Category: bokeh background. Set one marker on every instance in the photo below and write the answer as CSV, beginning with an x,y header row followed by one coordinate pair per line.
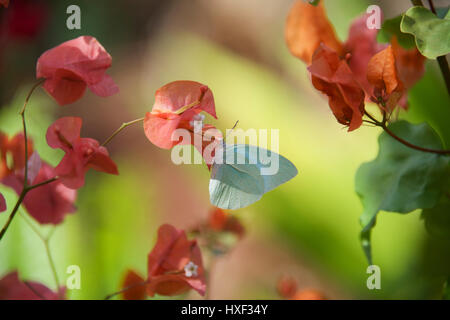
x,y
307,228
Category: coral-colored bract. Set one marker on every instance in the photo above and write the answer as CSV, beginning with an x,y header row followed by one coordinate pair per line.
x,y
74,65
81,153
333,77
168,262
2,203
176,105
48,204
12,288
4,3
306,27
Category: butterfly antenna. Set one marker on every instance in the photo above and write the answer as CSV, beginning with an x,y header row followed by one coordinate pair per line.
x,y
234,127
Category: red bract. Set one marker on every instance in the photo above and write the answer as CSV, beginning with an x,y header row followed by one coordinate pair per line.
x,y
81,153
26,19
49,203
2,203
287,287
12,288
220,220
15,148
74,65
175,264
333,77
176,105
134,286
361,45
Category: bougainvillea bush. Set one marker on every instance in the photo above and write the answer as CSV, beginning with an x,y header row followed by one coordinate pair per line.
x,y
384,81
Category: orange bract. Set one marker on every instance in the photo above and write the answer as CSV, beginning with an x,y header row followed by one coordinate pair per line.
x,y
308,294
135,287
306,27
382,72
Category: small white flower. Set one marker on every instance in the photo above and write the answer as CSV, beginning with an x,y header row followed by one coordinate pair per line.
x,y
190,269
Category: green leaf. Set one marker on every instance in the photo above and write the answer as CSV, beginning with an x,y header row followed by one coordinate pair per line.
x,y
437,219
390,28
401,179
432,34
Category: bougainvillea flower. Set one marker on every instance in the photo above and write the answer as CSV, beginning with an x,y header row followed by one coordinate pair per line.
x,y
287,287
14,149
306,27
74,65
4,3
176,105
382,74
360,47
49,203
12,288
134,286
222,221
81,153
332,76
308,294
175,264
2,203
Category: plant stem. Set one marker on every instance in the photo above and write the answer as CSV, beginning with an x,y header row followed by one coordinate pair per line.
x,y
109,296
123,126
25,179
45,241
13,213
406,143
430,2
383,124
442,60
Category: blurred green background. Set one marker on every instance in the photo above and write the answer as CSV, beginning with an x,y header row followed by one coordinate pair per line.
x,y
307,228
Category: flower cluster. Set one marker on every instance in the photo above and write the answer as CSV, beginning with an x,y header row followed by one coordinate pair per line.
x,y
178,106
174,266
353,72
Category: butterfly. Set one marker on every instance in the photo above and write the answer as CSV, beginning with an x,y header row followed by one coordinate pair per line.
x,y
241,175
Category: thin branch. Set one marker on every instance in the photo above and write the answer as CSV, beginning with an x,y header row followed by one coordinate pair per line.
x,y
383,124
135,285
42,183
123,126
406,143
25,188
45,241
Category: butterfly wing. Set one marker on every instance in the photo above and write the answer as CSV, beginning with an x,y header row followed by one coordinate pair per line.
x,y
238,182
